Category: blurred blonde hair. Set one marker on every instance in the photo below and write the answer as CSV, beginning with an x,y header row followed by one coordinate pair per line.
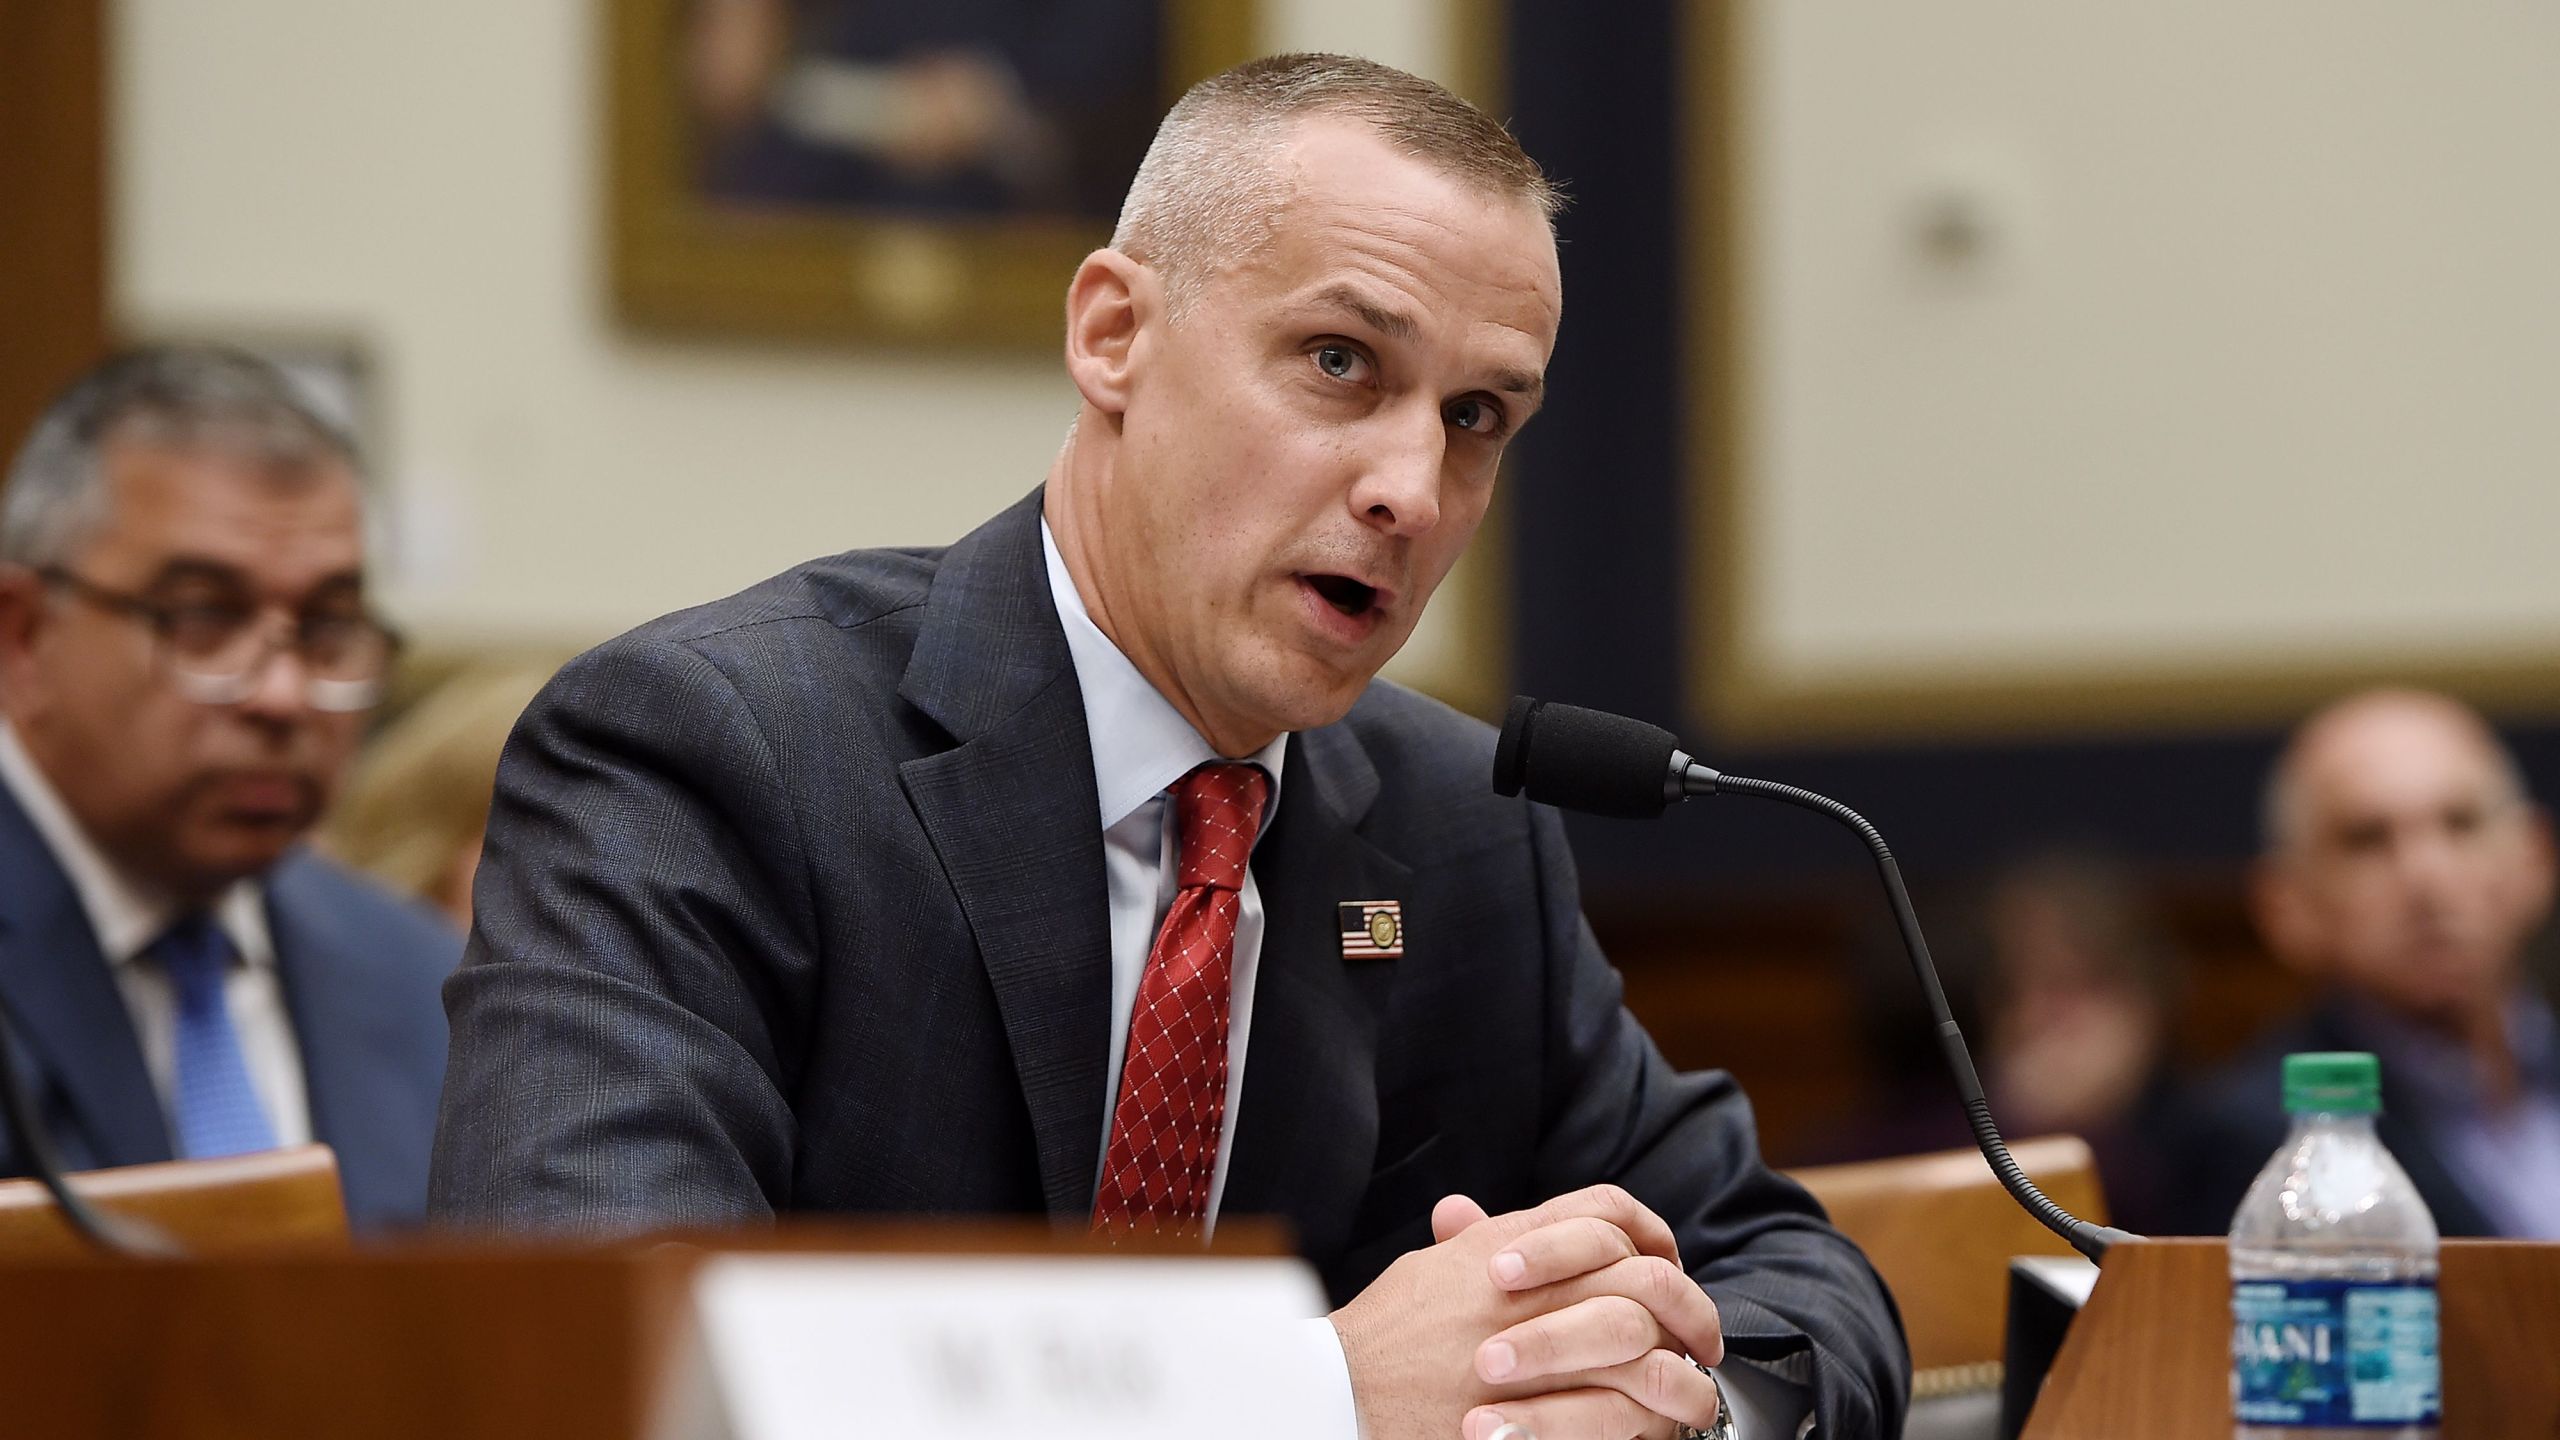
x,y
419,795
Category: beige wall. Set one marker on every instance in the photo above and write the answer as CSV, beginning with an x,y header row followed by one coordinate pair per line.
x,y
425,178
2257,357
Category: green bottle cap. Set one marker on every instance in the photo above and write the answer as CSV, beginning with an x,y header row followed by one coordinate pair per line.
x,y
2344,1082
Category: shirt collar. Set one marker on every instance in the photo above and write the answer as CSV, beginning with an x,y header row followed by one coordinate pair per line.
x,y
1141,744
124,915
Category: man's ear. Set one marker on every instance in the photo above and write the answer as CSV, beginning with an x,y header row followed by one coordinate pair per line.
x,y
2540,865
1111,306
2283,915
21,619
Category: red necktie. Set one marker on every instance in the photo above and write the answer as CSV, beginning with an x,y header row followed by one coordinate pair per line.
x,y
1173,1086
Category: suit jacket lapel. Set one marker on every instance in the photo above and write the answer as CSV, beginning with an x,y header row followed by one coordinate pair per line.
x,y
71,1019
359,1104
1012,813
1307,1125
2334,1026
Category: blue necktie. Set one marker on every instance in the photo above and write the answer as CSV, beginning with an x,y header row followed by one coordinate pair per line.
x,y
218,1109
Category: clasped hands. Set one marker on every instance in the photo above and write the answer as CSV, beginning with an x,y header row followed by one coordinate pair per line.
x,y
1573,1319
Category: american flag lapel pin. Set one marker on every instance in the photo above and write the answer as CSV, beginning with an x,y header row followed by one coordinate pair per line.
x,y
1372,929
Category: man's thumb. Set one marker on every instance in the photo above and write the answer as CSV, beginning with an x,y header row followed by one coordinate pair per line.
x,y
1453,1214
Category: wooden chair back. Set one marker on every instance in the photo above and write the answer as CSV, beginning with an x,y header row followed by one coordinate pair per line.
x,y
1940,1230
276,1199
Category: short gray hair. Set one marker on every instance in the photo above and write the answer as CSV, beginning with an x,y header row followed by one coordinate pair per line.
x,y
181,397
1207,189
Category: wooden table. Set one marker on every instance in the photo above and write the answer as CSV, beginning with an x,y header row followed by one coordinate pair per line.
x,y
2150,1355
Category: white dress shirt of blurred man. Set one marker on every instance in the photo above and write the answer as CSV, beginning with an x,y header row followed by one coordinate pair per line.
x,y
186,660
2406,870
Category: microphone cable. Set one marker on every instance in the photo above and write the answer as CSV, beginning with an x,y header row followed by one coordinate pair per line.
x,y
114,1234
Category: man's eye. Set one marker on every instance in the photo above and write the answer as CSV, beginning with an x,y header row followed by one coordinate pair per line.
x,y
1337,361
1476,417
194,628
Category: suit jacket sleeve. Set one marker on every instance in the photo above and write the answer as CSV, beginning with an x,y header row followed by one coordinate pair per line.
x,y
621,1042
1796,1298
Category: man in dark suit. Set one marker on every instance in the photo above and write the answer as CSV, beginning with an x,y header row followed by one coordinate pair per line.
x,y
2406,868
1080,869
185,659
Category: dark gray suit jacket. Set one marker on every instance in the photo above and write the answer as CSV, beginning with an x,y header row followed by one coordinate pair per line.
x,y
359,969
796,902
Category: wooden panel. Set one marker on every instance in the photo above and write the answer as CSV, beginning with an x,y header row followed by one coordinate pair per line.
x,y
1940,1230
558,1341
1765,985
561,1345
271,1200
2151,1354
53,297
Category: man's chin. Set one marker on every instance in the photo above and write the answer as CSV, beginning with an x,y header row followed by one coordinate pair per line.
x,y
238,849
1282,707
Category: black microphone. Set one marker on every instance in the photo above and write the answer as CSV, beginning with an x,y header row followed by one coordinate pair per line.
x,y
1590,760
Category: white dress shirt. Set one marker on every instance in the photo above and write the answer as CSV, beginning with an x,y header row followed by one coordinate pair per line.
x,y
126,916
1141,744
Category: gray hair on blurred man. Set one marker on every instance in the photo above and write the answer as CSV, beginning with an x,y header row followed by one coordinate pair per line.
x,y
186,659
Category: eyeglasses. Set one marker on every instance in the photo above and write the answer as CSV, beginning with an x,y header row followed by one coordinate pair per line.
x,y
217,649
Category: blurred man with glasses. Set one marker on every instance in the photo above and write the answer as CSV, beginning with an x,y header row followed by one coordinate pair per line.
x,y
186,664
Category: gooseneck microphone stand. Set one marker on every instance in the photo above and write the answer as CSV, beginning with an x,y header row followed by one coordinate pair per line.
x,y
1611,765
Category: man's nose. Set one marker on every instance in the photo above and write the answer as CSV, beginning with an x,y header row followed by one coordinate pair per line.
x,y
1399,489
280,688
2430,862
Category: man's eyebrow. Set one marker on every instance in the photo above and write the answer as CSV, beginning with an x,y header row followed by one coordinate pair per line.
x,y
1393,324
182,569
1396,325
179,569
1527,384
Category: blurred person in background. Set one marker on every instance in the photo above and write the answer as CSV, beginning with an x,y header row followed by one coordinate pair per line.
x,y
418,801
2072,985
186,658
2406,868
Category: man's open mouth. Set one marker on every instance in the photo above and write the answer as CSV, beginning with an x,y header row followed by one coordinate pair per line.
x,y
1344,593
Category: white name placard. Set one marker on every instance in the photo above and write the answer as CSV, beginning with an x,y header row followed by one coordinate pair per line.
x,y
803,1347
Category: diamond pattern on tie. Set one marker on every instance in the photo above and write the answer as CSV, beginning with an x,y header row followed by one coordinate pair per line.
x,y
1163,1152
218,1112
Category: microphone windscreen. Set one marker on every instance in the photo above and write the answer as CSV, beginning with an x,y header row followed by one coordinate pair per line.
x,y
1579,759
1515,740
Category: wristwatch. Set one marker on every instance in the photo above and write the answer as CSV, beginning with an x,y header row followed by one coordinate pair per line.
x,y
1722,1429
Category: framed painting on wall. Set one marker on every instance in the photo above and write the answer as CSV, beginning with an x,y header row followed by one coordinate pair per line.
x,y
851,169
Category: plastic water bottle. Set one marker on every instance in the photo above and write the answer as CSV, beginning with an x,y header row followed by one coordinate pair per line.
x,y
2333,1274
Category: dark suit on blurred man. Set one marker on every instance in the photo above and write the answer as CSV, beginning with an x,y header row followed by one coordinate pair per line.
x,y
361,1035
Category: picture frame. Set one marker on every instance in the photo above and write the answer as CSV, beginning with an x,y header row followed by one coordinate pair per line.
x,y
798,176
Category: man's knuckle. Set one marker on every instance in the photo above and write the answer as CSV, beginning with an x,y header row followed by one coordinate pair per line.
x,y
1630,1326
1593,1233
1661,1376
1658,1281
